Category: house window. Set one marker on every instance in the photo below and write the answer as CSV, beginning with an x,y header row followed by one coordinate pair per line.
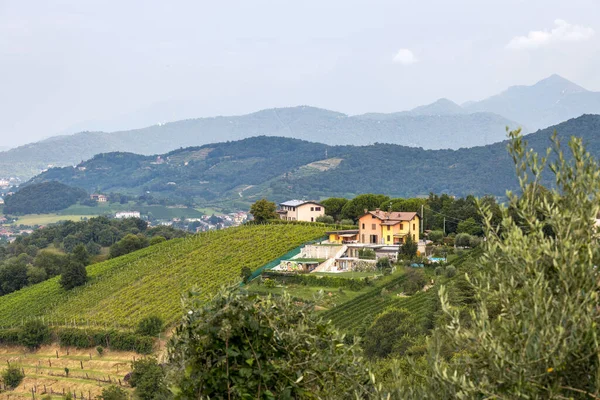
x,y
312,219
363,226
373,226
373,239
363,237
317,208
373,217
388,228
401,226
312,209
413,227
388,238
413,236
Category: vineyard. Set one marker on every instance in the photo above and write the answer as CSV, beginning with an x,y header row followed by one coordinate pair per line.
x,y
45,373
361,310
122,291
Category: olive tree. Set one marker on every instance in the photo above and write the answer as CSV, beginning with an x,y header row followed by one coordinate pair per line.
x,y
534,330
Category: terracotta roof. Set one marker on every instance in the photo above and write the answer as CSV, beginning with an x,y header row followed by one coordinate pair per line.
x,y
393,216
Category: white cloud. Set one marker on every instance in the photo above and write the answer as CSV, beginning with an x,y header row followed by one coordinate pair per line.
x,y
562,32
405,57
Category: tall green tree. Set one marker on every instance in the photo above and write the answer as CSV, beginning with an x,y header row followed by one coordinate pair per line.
x,y
74,274
356,207
408,250
263,210
534,330
333,207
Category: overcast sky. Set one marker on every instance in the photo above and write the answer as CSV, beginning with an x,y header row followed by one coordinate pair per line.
x,y
70,65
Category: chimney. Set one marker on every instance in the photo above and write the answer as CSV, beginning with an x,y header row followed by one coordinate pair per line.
x,y
377,210
366,210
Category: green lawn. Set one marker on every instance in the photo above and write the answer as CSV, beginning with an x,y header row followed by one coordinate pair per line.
x,y
45,219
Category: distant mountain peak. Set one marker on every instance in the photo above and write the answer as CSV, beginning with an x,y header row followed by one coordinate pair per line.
x,y
441,106
557,82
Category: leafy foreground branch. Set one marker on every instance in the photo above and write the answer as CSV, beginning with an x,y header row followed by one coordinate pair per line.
x,y
241,346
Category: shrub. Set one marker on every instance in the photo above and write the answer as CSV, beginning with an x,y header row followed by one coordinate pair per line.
x,y
100,350
450,271
383,264
415,281
157,240
73,275
366,254
150,326
474,241
113,392
245,274
347,222
148,379
439,270
326,219
269,283
12,376
462,240
436,236
34,334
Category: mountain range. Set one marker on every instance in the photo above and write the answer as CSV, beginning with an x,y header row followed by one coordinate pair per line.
x,y
440,125
237,173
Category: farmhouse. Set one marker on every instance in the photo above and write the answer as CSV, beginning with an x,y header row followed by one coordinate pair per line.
x,y
300,210
100,198
389,228
127,214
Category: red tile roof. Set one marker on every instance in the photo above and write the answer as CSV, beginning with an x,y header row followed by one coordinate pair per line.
x,y
393,216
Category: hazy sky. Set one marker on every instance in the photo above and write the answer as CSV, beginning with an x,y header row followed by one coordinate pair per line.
x,y
70,65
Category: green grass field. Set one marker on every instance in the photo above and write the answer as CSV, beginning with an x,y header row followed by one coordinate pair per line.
x,y
45,219
124,290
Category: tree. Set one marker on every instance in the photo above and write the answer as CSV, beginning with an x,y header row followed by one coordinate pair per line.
x,y
356,207
12,376
469,226
33,334
533,332
149,379
157,240
408,250
80,254
463,240
242,346
128,244
150,326
384,265
263,210
333,207
73,275
326,219
436,236
113,392
245,274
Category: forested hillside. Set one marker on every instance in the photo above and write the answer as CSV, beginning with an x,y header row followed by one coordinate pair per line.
x,y
281,168
43,198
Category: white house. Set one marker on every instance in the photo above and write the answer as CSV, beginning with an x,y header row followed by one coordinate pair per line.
x,y
127,214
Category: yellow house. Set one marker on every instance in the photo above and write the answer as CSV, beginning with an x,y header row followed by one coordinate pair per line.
x,y
342,237
300,210
380,227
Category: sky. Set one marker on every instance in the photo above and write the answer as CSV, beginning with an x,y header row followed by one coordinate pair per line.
x,y
72,65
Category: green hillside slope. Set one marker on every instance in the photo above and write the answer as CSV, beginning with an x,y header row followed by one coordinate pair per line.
x,y
123,290
283,168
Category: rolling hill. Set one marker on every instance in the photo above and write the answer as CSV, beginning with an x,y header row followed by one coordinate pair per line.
x,y
126,289
425,127
241,172
545,103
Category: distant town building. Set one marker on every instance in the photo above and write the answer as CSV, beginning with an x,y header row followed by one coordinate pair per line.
x,y
4,183
100,198
127,214
1,200
300,210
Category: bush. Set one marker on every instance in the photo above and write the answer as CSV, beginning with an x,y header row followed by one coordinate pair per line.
x,y
462,240
100,350
436,236
415,281
474,241
148,379
269,283
366,254
347,222
439,270
12,376
34,334
383,264
450,271
73,275
157,240
150,326
113,393
245,274
326,219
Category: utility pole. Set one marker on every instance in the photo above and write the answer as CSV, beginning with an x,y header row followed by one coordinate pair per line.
x,y
444,226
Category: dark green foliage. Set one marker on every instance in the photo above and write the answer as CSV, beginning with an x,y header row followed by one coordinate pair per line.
x,y
415,281
128,244
356,207
12,376
245,274
100,350
116,340
436,236
392,334
81,255
74,274
43,198
239,346
383,264
450,271
157,240
150,326
469,226
326,219
408,250
463,240
333,207
33,334
263,210
366,254
113,392
315,280
148,379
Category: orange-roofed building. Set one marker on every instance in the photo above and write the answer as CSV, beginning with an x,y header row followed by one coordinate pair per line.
x,y
391,228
